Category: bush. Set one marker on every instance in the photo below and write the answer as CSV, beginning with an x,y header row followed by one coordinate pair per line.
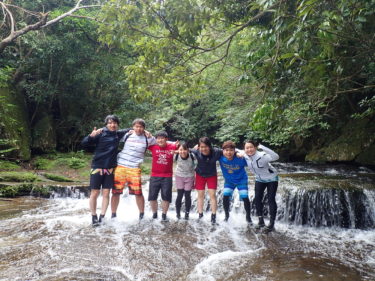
x,y
9,166
18,177
43,164
57,178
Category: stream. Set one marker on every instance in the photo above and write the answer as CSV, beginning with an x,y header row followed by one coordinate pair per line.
x,y
325,231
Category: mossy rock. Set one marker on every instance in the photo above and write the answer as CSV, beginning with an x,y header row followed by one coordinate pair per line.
x,y
41,191
14,124
18,177
14,190
57,178
9,166
367,157
356,137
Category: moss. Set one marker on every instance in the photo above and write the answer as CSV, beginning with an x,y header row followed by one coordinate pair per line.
x,y
57,178
14,126
18,177
43,163
9,166
41,191
367,157
8,191
14,190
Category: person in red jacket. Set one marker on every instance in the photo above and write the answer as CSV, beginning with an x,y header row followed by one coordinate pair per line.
x,y
161,173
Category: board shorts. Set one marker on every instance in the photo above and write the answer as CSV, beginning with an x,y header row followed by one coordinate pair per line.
x,y
200,182
185,183
129,176
163,184
241,186
101,178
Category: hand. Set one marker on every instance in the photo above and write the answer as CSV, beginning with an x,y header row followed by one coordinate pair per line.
x,y
195,147
148,134
177,143
240,154
96,132
131,132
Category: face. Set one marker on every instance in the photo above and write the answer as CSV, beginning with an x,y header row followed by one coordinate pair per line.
x,y
161,141
112,125
204,149
138,129
250,149
183,152
228,153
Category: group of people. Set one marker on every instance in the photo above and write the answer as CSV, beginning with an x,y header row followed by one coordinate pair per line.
x,y
195,169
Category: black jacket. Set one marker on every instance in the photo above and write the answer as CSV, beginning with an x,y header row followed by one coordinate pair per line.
x,y
206,166
105,156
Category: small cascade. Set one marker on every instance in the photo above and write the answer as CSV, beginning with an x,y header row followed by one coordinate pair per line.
x,y
328,207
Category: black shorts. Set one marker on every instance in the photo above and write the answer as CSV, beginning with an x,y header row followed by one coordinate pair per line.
x,y
101,178
160,183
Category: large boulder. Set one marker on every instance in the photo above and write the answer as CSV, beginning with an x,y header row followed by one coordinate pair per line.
x,y
355,143
14,125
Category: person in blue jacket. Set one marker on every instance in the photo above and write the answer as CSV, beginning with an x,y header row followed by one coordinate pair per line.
x,y
106,141
235,176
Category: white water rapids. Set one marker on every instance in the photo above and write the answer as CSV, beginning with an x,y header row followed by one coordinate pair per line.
x,y
52,239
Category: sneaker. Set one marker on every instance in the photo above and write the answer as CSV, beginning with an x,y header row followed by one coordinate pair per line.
x,y
213,218
200,215
186,215
155,215
101,218
260,223
141,216
113,215
178,215
164,217
271,226
95,221
226,217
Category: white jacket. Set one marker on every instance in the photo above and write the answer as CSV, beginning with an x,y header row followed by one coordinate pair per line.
x,y
259,163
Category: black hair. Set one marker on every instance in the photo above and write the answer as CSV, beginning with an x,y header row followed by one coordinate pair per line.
x,y
140,122
253,142
162,134
184,146
113,118
206,141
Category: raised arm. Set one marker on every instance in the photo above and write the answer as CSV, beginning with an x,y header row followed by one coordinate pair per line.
x,y
270,154
91,138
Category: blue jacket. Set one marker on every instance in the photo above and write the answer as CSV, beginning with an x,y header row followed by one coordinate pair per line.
x,y
106,148
233,170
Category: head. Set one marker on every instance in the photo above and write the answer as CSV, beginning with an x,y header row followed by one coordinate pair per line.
x,y
205,146
112,122
229,149
183,150
161,138
251,147
139,126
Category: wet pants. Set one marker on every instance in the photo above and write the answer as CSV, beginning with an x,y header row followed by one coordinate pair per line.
x,y
271,194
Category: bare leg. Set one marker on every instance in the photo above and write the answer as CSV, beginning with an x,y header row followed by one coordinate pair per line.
x,y
115,200
140,200
200,201
213,201
105,201
165,206
154,206
93,197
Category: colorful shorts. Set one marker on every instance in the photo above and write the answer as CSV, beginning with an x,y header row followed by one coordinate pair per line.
x,y
101,178
129,176
200,182
185,183
241,187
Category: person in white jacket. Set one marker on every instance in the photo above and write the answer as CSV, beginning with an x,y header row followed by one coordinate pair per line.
x,y
265,177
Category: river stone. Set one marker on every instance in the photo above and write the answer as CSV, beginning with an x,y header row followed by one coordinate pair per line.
x,y
14,125
356,137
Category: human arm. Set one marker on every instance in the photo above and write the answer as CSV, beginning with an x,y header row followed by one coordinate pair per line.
x,y
92,137
270,155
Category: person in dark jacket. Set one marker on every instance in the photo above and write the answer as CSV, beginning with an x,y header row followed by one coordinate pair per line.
x,y
106,141
206,174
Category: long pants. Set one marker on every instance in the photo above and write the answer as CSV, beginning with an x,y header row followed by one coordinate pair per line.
x,y
226,204
180,194
271,194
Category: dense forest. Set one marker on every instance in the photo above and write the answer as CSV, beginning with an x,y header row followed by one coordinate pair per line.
x,y
297,75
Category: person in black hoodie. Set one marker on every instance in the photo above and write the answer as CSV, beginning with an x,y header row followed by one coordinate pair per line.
x,y
106,141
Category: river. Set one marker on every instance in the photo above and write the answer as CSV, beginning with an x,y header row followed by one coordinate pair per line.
x,y
52,239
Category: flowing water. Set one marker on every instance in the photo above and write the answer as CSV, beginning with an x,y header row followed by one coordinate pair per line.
x,y
52,239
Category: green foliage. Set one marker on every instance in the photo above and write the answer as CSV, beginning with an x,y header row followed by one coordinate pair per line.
x,y
57,178
8,166
18,177
43,163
